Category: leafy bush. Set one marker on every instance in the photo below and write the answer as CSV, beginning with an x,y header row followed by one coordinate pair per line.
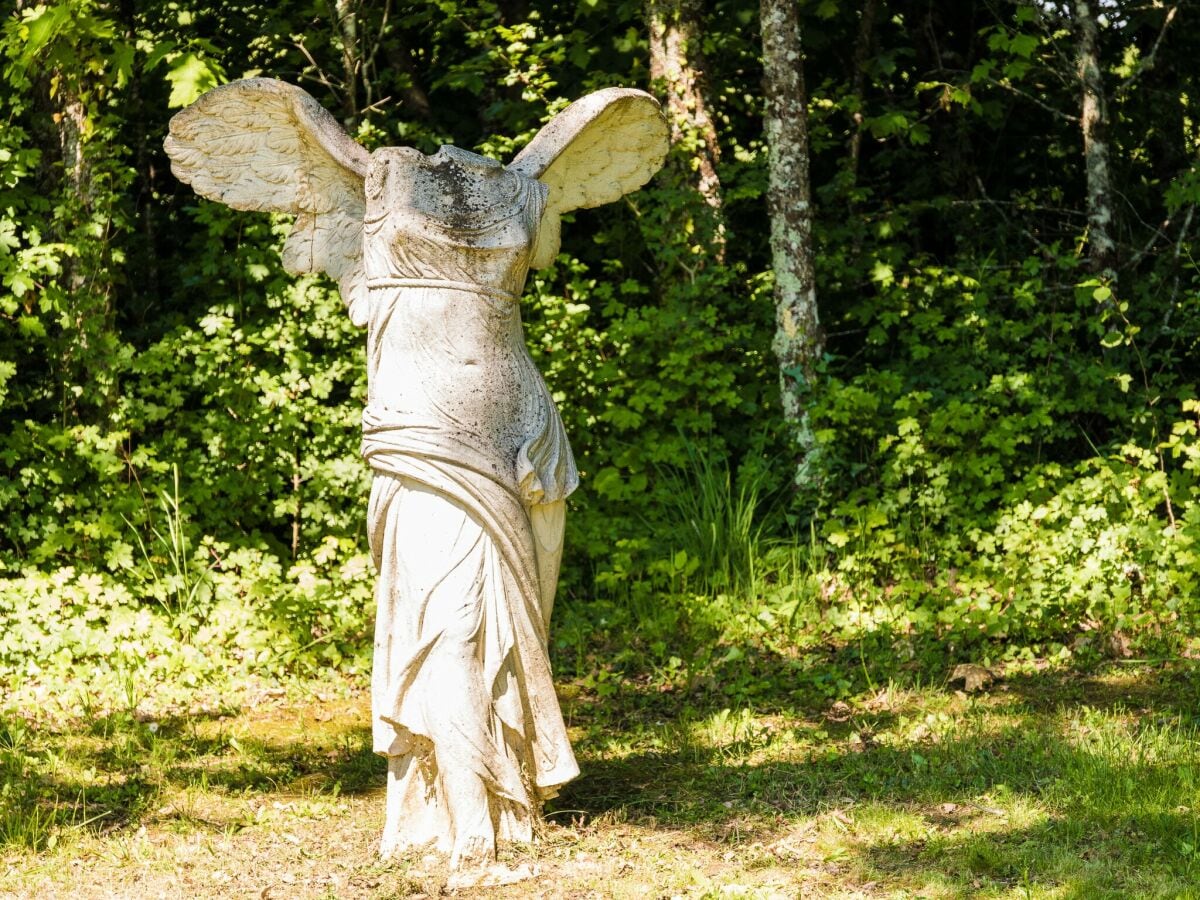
x,y
1005,457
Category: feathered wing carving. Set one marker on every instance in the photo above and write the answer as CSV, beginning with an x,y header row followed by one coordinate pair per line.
x,y
595,151
262,144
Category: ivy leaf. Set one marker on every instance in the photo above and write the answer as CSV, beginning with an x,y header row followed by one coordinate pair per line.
x,y
122,63
44,26
1023,45
190,76
31,326
19,283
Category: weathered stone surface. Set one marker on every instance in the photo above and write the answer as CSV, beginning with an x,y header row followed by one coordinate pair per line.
x,y
471,463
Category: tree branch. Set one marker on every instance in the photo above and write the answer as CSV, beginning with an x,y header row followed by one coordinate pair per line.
x,y
1032,99
1146,63
998,206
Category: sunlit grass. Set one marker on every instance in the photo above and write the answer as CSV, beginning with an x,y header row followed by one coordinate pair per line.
x,y
1051,786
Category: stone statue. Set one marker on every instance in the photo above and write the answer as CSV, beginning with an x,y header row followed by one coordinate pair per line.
x,y
470,460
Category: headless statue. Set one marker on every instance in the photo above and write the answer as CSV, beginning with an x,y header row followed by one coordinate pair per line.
x,y
471,464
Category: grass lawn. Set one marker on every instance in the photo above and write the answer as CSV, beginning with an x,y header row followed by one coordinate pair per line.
x,y
1055,784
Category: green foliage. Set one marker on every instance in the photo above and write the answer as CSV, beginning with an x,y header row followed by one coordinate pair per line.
x,y
719,524
249,618
1011,445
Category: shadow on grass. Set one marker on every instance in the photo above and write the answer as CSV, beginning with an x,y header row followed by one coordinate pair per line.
x,y
115,771
1086,785
807,683
926,815
996,804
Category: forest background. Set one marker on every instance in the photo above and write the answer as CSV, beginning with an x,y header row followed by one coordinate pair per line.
x,y
1002,457
882,577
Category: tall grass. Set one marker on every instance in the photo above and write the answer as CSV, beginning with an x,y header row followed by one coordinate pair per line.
x,y
717,520
180,583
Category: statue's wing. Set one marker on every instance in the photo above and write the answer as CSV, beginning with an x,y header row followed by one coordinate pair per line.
x,y
262,144
595,151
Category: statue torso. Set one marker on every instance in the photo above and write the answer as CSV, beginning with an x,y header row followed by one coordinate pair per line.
x,y
447,241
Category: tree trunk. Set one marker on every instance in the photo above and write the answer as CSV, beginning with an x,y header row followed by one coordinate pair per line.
x,y
862,52
90,304
82,295
798,340
412,92
346,14
677,69
1102,247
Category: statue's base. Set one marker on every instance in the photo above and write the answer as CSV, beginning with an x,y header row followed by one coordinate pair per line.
x,y
489,876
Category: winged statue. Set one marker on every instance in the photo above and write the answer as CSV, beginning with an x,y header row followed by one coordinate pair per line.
x,y
470,462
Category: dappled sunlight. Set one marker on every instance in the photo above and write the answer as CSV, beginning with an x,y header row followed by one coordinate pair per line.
x,y
948,794
1008,793
879,577
122,769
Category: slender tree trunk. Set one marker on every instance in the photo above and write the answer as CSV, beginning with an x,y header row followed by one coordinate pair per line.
x,y
87,344
412,92
346,12
862,52
798,340
90,305
677,69
71,118
1102,246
